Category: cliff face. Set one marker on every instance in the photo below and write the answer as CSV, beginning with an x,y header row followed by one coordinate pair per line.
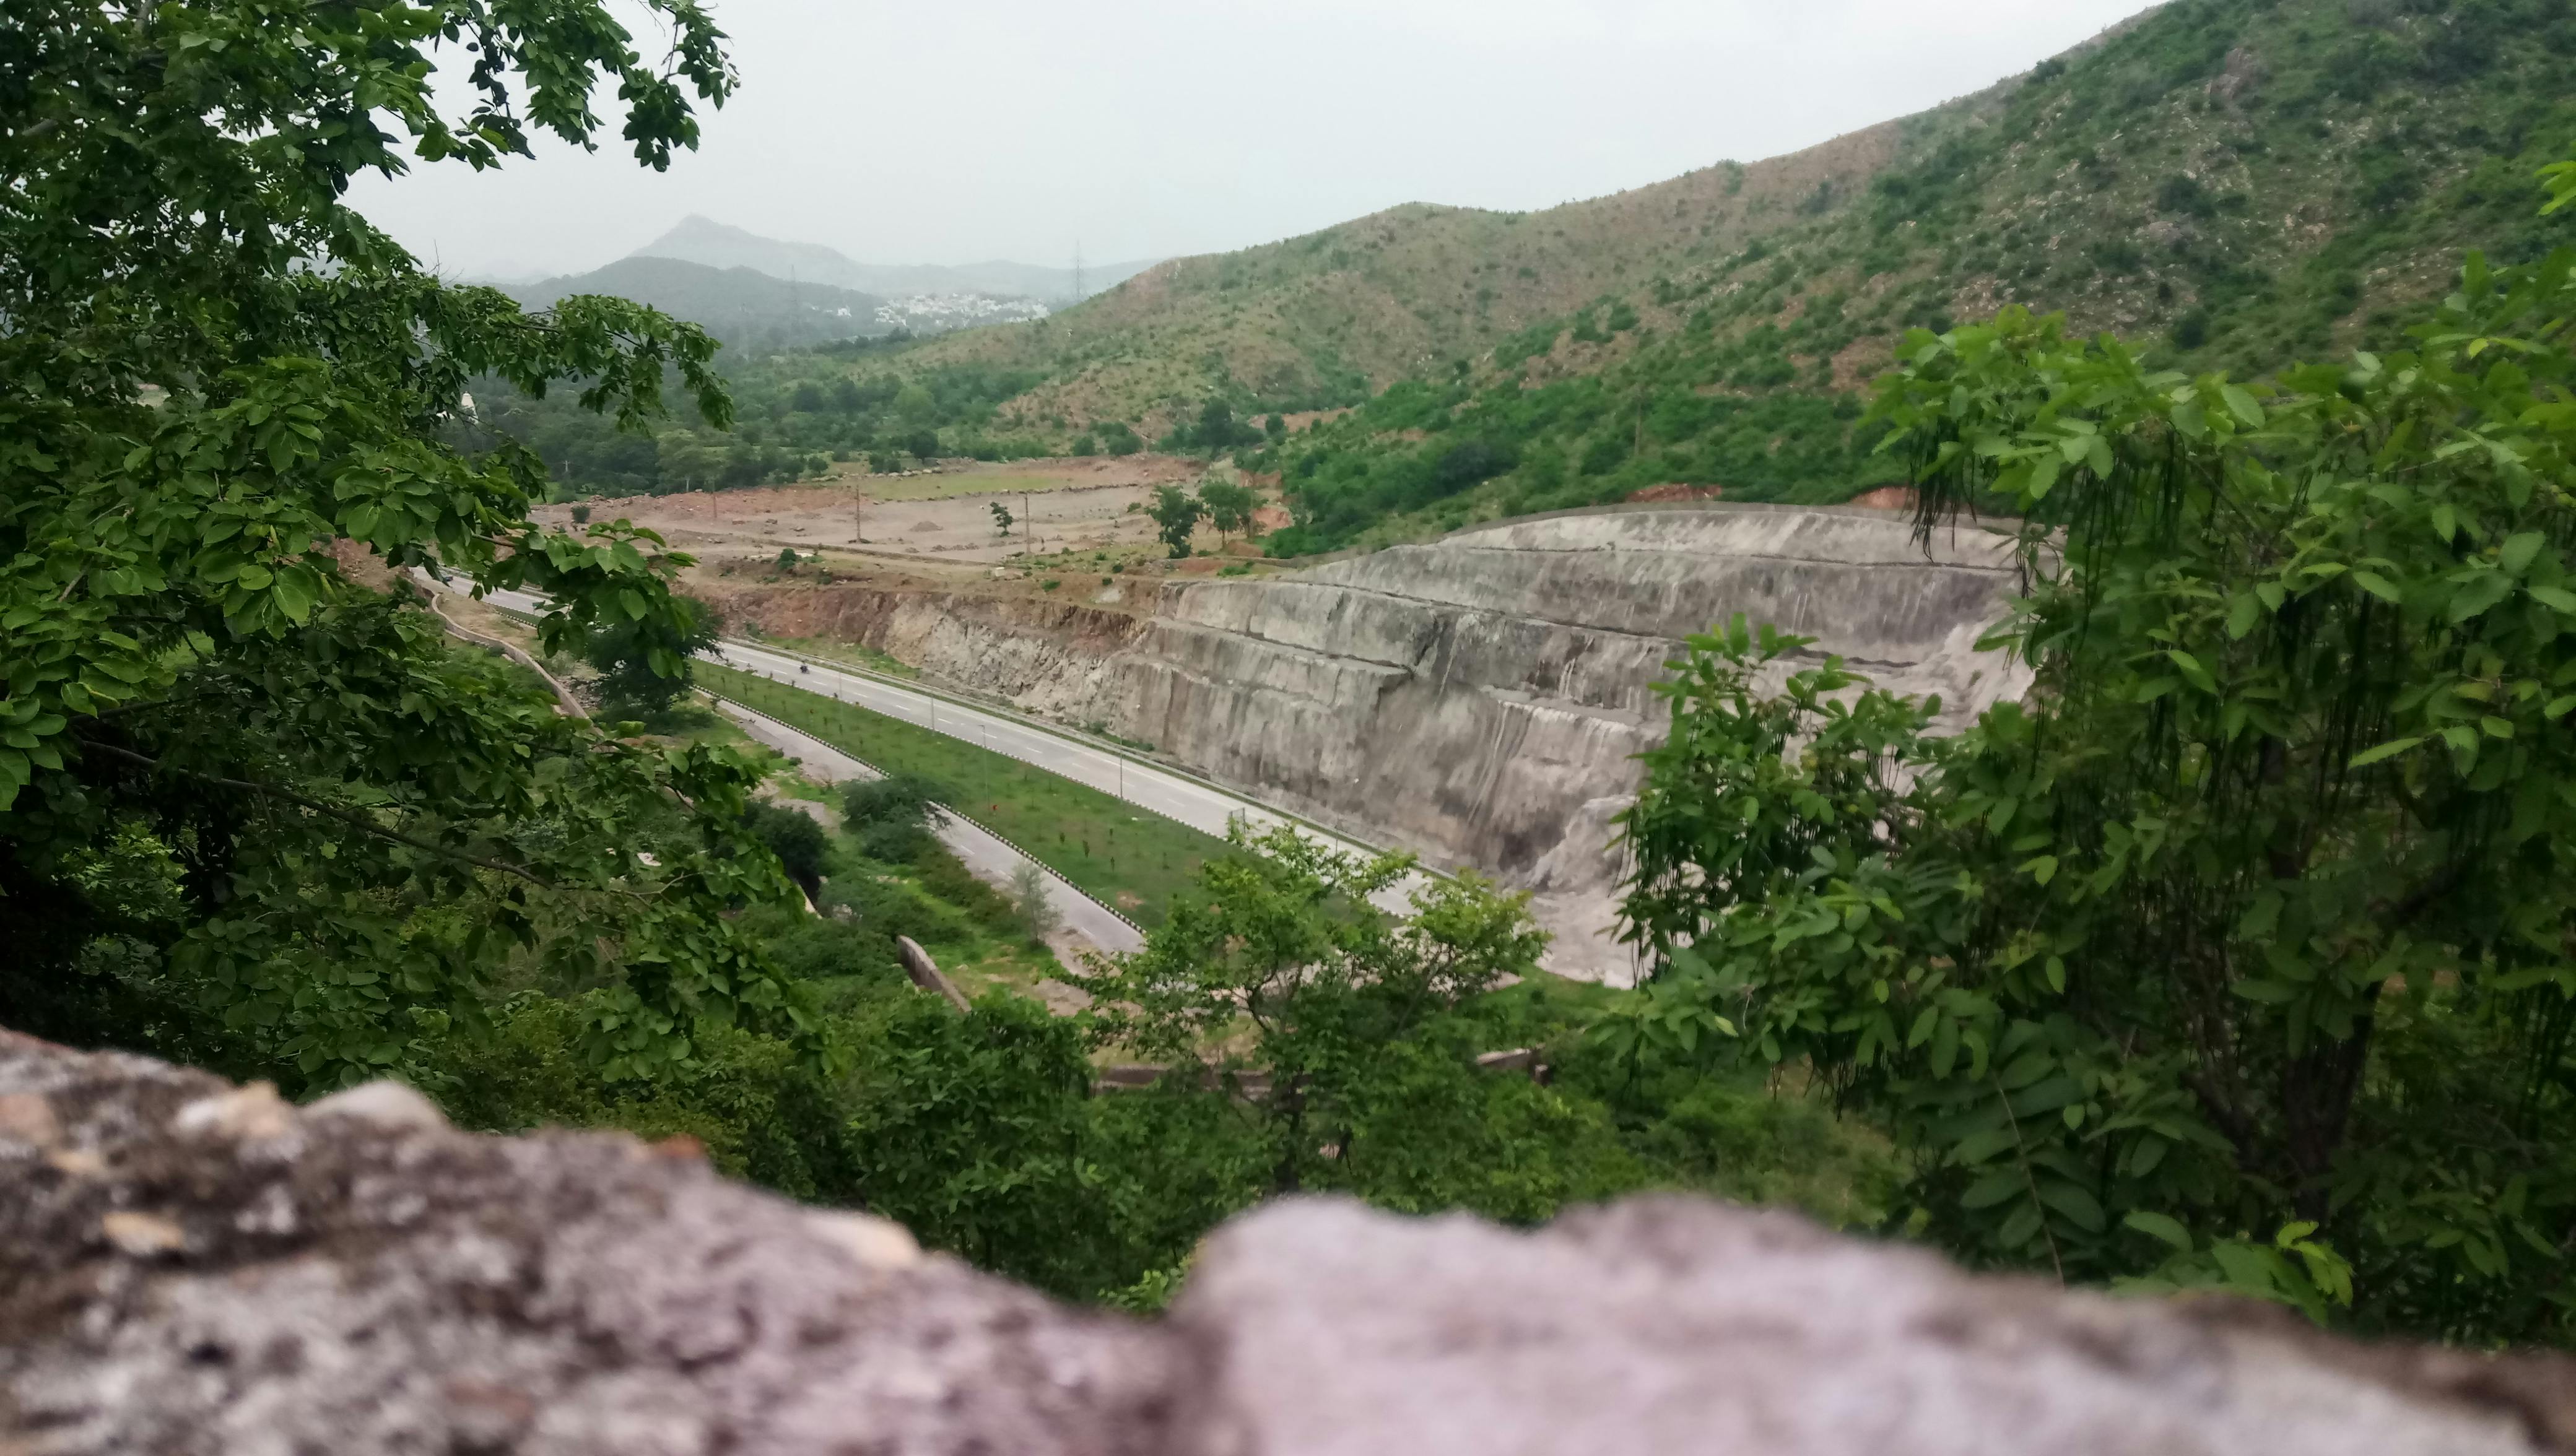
x,y
1051,658
1482,698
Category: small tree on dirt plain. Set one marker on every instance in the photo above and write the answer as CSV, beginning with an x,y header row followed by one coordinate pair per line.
x,y
1229,506
1176,513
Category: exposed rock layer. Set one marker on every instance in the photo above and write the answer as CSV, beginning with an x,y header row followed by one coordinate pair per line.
x,y
188,1267
1051,658
1480,699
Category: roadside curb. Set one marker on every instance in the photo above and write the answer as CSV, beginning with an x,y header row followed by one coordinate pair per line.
x,y
1013,845
1085,740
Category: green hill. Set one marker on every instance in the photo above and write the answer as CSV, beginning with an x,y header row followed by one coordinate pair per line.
x,y
2237,182
2231,183
745,308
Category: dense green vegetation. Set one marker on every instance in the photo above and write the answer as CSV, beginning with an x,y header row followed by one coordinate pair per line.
x,y
251,811
1116,852
2239,953
792,417
983,1135
2120,185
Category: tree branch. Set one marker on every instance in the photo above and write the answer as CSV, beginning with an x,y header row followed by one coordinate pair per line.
x,y
346,816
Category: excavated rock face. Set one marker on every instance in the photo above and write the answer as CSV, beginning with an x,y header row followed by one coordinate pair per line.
x,y
1049,657
189,1267
1482,698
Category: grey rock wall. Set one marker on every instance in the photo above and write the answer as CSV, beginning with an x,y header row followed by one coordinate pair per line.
x,y
1482,698
189,1267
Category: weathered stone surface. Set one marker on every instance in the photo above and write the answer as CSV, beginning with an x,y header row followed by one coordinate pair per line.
x,y
186,1267
190,1267
1669,1324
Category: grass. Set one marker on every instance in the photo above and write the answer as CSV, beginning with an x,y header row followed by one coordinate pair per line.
x,y
849,654
981,479
1114,851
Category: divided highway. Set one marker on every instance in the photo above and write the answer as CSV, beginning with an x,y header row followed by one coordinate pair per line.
x,y
986,854
1201,806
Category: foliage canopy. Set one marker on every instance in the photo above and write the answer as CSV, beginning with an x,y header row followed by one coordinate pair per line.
x,y
238,788
2240,952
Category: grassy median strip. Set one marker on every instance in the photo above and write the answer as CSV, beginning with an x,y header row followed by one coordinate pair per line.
x,y
1126,856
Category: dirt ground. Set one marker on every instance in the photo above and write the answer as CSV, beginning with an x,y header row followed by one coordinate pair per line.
x,y
1069,517
1055,505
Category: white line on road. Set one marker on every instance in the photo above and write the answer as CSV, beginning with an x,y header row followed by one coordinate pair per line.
x,y
1201,806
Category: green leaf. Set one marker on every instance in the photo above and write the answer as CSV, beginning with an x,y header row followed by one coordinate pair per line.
x,y
2378,586
2515,556
2241,616
1994,1188
2159,1226
2080,1206
2391,749
2241,404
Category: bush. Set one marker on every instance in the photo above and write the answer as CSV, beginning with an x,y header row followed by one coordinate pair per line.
x,y
891,817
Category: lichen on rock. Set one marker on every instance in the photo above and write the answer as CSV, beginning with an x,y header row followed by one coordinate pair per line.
x,y
187,1266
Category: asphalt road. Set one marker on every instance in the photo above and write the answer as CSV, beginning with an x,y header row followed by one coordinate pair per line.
x,y
1174,796
991,859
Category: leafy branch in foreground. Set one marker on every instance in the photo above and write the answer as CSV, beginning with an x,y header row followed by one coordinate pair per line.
x,y
251,809
2240,952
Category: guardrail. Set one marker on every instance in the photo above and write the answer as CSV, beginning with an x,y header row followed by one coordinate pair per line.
x,y
1007,842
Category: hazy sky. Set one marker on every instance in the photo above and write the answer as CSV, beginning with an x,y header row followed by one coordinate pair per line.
x,y
963,130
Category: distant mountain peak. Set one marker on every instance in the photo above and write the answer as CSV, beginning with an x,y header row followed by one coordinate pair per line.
x,y
701,239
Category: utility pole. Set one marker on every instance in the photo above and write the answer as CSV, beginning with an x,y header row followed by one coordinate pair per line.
x,y
1028,529
858,516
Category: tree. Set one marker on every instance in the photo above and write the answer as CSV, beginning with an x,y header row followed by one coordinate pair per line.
x,y
2238,952
1335,990
1117,437
892,816
632,684
795,838
923,445
1176,513
787,559
238,789
1030,895
1002,519
1275,428
1229,506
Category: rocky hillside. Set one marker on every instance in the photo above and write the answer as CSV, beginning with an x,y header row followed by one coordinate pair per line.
x,y
1479,699
2236,182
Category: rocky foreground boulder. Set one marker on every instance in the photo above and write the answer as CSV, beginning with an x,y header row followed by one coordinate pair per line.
x,y
188,1266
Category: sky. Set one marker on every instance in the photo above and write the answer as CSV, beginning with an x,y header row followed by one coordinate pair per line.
x,y
969,130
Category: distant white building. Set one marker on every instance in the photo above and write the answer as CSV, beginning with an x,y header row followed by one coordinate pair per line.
x,y
932,313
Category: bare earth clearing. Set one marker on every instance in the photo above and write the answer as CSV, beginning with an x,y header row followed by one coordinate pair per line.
x,y
1056,505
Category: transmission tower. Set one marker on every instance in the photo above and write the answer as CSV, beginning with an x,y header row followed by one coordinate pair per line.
x,y
1077,272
